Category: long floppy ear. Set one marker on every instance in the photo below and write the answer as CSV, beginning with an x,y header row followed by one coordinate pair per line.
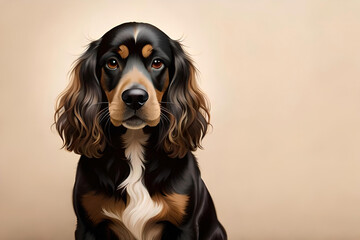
x,y
76,115
189,112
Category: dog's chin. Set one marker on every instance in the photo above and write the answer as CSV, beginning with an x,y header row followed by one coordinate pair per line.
x,y
134,123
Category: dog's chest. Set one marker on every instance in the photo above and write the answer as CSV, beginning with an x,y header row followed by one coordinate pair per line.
x,y
139,218
140,207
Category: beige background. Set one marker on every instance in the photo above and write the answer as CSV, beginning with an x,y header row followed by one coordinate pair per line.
x,y
283,77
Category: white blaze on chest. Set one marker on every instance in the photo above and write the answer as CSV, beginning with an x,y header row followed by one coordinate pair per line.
x,y
140,207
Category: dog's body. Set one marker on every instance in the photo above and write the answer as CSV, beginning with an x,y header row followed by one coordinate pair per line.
x,y
137,177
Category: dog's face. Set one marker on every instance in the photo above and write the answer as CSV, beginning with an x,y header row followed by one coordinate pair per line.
x,y
133,76
134,62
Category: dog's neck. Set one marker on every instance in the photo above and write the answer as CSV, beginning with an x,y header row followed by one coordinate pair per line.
x,y
141,207
134,142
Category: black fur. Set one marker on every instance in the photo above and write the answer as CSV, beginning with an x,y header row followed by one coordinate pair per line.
x,y
103,170
162,174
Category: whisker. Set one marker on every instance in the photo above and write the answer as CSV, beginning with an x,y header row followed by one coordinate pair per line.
x,y
166,102
102,110
106,116
163,116
164,119
108,128
98,103
165,110
103,114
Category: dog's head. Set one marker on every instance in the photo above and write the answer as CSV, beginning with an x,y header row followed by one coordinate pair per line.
x,y
134,76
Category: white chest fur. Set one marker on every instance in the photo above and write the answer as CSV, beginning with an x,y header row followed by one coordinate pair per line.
x,y
140,207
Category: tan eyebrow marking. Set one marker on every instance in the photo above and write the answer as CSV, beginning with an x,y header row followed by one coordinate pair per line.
x,y
123,51
146,51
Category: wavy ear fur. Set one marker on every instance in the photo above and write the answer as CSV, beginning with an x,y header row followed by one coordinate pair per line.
x,y
76,115
187,105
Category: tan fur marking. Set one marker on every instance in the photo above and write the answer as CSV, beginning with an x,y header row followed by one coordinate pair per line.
x,y
159,94
123,51
109,94
95,203
146,51
174,206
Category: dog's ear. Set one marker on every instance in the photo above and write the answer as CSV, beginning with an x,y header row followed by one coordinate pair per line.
x,y
188,107
76,115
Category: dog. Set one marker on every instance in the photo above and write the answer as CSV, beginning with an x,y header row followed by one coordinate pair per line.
x,y
135,113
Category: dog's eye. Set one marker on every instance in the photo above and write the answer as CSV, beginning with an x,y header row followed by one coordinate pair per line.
x,y
157,64
112,64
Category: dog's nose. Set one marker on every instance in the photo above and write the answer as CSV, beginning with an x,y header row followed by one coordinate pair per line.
x,y
135,98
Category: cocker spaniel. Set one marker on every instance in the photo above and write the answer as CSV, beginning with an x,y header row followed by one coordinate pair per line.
x,y
134,112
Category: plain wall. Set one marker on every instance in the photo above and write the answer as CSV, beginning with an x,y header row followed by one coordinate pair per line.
x,y
283,78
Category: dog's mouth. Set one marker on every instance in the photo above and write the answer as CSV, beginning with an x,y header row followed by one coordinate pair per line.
x,y
134,122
